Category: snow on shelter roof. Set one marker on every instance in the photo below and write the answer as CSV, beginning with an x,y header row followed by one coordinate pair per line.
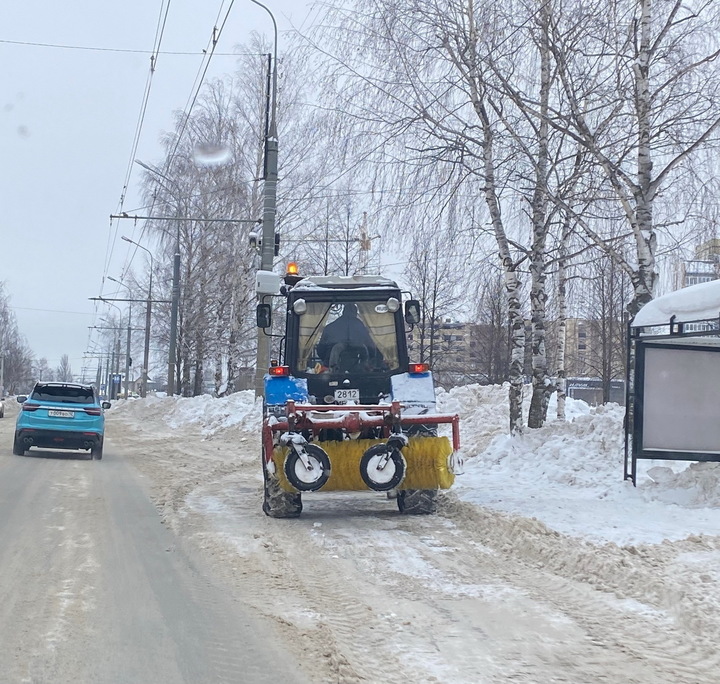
x,y
354,282
694,303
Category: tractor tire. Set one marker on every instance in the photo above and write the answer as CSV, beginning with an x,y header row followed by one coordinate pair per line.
x,y
18,448
417,501
277,503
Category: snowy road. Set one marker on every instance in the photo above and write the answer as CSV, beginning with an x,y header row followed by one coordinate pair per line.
x,y
361,594
93,588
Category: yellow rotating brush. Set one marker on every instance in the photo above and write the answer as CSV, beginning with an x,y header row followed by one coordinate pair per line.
x,y
426,459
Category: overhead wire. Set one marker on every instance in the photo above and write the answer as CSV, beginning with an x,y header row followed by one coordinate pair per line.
x,y
90,48
195,90
157,42
192,99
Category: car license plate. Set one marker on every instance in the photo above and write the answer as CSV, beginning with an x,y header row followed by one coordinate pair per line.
x,y
343,396
61,414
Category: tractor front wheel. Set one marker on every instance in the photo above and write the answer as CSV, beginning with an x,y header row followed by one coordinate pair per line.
x,y
417,501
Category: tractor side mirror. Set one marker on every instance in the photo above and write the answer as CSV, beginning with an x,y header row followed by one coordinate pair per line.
x,y
21,399
412,311
263,315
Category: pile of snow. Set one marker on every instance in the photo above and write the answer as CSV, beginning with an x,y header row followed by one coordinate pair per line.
x,y
211,416
567,474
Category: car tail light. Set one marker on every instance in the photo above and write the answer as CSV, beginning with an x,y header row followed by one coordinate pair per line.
x,y
418,368
30,407
279,371
93,411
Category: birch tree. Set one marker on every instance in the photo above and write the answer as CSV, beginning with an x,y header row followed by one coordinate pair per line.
x,y
639,79
409,80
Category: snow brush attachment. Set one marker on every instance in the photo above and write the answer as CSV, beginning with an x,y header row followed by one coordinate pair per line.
x,y
307,466
382,466
426,464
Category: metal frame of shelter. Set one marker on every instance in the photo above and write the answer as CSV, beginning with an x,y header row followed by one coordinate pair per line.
x,y
672,336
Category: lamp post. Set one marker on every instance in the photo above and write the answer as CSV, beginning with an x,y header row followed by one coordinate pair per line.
x,y
127,348
269,208
172,351
148,314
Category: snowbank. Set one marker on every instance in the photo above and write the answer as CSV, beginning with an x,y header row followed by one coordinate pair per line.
x,y
211,415
568,474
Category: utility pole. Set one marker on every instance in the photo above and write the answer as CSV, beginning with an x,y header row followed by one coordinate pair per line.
x,y
267,252
127,355
129,328
2,374
148,316
172,387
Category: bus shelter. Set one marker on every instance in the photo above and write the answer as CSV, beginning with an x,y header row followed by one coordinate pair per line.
x,y
673,379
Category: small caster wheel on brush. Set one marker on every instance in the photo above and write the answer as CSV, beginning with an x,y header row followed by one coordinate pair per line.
x,y
312,477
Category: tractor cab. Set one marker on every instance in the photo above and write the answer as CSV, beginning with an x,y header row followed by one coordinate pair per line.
x,y
346,337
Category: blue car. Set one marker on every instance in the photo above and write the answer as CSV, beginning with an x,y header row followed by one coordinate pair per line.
x,y
61,415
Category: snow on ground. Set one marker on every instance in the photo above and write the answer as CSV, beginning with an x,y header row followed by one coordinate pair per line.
x,y
541,565
210,415
567,474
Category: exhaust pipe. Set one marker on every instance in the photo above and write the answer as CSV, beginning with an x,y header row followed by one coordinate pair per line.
x,y
383,466
28,440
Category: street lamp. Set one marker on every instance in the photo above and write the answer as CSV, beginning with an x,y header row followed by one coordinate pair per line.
x,y
148,314
269,208
127,349
176,282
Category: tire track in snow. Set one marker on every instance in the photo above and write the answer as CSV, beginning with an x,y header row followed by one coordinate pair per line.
x,y
586,581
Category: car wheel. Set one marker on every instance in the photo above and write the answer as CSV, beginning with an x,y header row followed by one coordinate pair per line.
x,y
96,452
18,448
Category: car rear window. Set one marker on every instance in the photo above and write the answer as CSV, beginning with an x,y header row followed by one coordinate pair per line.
x,y
67,395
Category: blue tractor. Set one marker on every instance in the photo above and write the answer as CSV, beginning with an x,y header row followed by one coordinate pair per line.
x,y
344,407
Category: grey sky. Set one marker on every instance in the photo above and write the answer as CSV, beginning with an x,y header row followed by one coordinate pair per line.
x,y
67,121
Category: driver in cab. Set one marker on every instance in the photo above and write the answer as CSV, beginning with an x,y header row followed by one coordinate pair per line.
x,y
345,343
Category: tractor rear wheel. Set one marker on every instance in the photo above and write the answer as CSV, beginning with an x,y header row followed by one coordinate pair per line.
x,y
417,501
277,503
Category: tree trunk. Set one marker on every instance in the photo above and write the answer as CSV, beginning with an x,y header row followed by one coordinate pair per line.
x,y
542,386
560,383
646,276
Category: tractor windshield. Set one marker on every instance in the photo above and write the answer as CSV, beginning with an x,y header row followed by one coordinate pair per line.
x,y
347,337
